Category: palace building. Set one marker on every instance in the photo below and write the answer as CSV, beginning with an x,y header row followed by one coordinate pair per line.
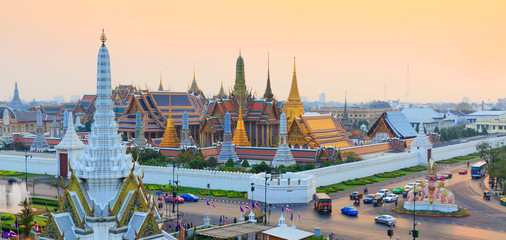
x,y
260,116
155,106
391,125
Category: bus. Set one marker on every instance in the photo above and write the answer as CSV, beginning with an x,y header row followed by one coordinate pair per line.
x,y
478,170
322,203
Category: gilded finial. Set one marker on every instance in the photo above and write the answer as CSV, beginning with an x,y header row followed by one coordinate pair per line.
x,y
103,38
294,64
239,52
193,71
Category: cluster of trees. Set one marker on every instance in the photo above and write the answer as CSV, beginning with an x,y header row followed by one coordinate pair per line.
x,y
457,132
496,163
379,104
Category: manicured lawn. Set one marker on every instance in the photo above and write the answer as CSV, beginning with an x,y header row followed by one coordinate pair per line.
x,y
199,192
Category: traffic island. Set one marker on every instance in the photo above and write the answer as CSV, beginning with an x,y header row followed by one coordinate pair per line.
x,y
461,212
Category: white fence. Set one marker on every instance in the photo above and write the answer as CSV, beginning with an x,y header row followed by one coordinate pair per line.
x,y
242,181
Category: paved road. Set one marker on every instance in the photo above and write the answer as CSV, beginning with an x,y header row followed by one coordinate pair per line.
x,y
487,220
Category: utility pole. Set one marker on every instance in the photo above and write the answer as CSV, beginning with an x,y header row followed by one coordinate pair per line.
x,y
173,191
175,199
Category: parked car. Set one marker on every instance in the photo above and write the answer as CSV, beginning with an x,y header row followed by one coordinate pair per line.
x,y
398,190
169,198
447,175
417,182
405,193
13,180
503,201
409,186
440,177
463,171
383,192
351,211
190,197
385,219
368,198
391,197
355,195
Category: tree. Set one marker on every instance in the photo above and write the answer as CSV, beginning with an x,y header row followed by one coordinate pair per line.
x,y
56,183
87,125
26,216
245,164
484,131
366,123
487,153
379,104
33,186
351,157
436,129
262,167
464,107
230,163
212,162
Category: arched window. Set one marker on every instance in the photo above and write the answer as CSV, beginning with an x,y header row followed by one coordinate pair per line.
x,y
305,146
31,127
20,129
296,146
14,129
26,127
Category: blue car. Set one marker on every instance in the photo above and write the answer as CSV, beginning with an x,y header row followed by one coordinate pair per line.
x,y
351,211
190,197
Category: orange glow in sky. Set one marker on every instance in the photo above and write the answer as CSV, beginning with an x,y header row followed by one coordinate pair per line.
x,y
454,48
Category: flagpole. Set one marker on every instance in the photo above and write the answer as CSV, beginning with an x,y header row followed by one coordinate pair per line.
x,y
17,225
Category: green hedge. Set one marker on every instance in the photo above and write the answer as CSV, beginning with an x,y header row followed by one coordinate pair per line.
x,y
415,169
204,192
45,201
11,173
389,174
360,181
219,193
328,189
7,217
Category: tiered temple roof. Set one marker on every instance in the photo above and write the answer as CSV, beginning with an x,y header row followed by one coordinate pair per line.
x,y
391,125
315,130
294,107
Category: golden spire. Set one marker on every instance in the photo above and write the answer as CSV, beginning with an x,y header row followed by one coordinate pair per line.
x,y
170,138
194,72
294,90
103,38
160,87
240,136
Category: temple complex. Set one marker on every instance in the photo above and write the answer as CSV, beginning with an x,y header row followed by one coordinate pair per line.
x,y
268,91
293,108
260,116
104,198
194,89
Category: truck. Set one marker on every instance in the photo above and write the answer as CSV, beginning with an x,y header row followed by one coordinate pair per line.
x,y
322,203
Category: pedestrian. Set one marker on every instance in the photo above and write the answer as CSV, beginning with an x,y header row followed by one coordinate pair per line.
x,y
467,164
395,202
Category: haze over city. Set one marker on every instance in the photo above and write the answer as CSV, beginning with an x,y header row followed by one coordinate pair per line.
x,y
454,48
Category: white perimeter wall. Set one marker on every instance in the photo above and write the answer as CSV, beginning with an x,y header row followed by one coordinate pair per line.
x,y
242,181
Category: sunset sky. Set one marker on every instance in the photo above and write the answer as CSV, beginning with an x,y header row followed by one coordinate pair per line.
x,y
453,48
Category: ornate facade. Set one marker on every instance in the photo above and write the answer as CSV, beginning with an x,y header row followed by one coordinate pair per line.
x,y
105,198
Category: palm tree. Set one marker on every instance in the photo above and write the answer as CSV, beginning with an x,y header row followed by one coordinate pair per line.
x,y
26,216
55,184
32,184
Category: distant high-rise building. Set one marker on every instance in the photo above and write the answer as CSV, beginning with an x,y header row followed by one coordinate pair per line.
x,y
16,102
322,97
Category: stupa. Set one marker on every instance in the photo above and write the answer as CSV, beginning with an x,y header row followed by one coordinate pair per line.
x,y
283,153
104,198
227,148
140,140
170,138
6,137
39,143
240,136
67,151
185,132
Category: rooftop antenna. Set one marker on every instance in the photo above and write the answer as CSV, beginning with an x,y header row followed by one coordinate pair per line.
x,y
407,86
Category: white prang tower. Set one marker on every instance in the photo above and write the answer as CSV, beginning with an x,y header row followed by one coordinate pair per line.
x,y
104,162
283,153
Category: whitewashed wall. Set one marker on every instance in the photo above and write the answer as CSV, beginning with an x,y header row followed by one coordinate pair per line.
x,y
35,165
462,149
288,188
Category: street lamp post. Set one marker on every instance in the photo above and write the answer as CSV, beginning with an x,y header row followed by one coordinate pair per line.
x,y
26,168
415,232
175,199
267,176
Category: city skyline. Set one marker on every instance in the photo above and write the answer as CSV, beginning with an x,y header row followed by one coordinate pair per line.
x,y
453,48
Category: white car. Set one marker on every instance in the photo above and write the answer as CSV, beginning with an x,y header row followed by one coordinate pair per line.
x,y
383,192
409,186
386,219
391,197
